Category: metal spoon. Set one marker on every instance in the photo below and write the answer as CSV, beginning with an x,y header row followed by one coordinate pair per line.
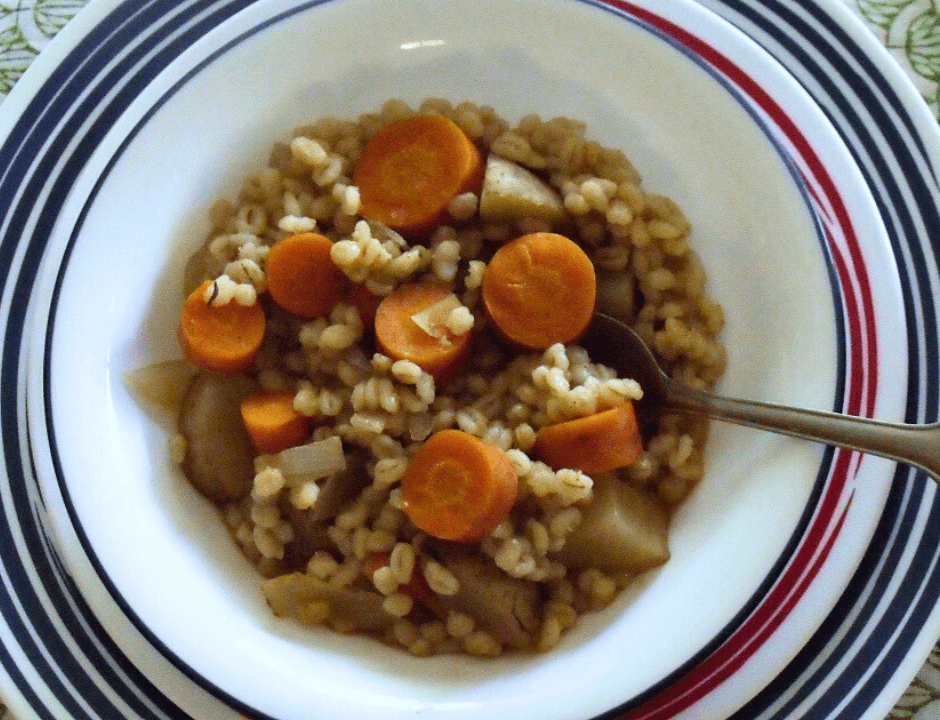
x,y
613,343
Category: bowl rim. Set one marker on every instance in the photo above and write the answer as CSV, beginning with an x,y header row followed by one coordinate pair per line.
x,y
622,6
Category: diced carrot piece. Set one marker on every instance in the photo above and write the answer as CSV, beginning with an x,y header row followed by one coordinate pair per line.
x,y
416,587
272,422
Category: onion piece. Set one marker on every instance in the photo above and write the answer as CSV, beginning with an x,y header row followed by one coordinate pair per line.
x,y
433,319
161,385
314,460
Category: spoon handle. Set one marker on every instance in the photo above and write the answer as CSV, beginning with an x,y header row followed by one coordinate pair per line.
x,y
917,445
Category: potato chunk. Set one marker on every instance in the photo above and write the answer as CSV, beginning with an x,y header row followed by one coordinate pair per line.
x,y
201,266
622,530
161,386
616,295
511,192
502,605
290,595
219,459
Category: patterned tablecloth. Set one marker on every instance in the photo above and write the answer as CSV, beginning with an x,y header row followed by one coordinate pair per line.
x,y
910,29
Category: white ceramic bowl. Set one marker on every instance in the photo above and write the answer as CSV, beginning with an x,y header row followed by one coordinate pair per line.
x,y
784,224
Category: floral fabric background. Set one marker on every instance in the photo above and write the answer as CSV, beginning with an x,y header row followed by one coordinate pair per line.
x,y
25,28
922,699
910,29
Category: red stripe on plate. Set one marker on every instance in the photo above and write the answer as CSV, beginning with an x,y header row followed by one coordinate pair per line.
x,y
727,660
861,387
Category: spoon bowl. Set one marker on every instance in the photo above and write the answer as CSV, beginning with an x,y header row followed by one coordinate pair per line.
x,y
614,343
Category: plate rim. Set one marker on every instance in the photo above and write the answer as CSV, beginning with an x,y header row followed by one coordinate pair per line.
x,y
96,4
896,94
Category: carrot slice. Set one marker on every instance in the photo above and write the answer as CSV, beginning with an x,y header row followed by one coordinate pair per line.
x,y
539,290
302,277
597,443
401,338
272,422
411,169
458,487
224,338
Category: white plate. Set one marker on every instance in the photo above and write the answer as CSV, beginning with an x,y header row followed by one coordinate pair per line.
x,y
93,196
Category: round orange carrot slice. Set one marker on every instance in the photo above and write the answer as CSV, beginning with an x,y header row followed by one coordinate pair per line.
x,y
224,338
302,277
540,290
438,352
597,443
411,169
458,487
